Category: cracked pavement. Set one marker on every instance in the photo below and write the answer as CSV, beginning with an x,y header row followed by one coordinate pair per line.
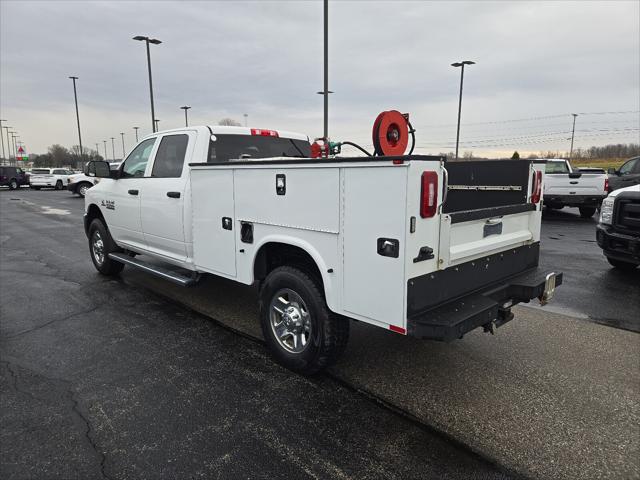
x,y
100,379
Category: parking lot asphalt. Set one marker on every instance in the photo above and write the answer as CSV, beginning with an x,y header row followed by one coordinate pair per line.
x,y
550,396
102,379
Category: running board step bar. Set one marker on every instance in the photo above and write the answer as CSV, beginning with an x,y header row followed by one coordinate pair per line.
x,y
175,277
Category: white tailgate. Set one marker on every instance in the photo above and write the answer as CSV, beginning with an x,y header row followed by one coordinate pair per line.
x,y
587,184
374,207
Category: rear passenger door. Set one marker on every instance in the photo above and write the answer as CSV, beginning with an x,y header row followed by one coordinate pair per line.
x,y
163,198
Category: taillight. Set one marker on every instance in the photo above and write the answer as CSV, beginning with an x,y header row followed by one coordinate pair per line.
x,y
429,194
536,189
264,133
606,184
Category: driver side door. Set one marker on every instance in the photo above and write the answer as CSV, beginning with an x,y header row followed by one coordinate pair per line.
x,y
121,203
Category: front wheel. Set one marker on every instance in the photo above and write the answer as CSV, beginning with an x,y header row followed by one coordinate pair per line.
x,y
622,265
587,212
59,185
82,189
300,330
100,246
13,184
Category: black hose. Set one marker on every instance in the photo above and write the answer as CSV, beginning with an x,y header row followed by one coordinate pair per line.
x,y
412,131
358,147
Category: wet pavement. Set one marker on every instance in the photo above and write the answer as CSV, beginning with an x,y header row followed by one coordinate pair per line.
x,y
550,396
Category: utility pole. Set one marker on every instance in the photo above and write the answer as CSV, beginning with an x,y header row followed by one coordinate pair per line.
x,y
123,152
156,121
8,145
573,132
186,119
136,129
2,138
97,151
105,150
147,41
75,96
325,91
460,64
113,148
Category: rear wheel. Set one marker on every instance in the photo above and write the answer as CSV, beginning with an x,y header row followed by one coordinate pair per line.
x,y
587,212
82,189
100,246
13,184
622,265
59,185
300,330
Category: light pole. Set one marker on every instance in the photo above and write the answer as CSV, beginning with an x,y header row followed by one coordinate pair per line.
x,y
156,121
325,91
460,64
186,119
573,132
75,96
113,148
123,152
246,116
15,149
147,41
2,138
136,129
105,151
97,150
8,144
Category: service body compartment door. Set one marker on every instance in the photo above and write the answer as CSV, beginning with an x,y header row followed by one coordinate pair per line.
x,y
374,242
214,247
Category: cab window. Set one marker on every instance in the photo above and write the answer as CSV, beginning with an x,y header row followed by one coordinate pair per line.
x,y
627,168
556,167
170,156
136,163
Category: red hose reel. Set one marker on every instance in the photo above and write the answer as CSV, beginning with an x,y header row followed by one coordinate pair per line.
x,y
391,133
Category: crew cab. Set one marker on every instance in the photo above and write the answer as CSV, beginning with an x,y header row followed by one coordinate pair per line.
x,y
625,176
49,177
408,243
618,230
566,187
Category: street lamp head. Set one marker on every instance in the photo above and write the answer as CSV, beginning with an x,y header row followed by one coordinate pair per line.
x,y
74,78
155,41
140,38
574,114
186,107
466,62
322,93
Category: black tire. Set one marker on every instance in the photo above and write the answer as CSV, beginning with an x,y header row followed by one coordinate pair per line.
x,y
36,188
98,233
13,184
328,333
587,212
622,265
555,207
82,188
59,185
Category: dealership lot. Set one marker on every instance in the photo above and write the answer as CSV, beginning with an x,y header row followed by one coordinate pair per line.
x,y
133,378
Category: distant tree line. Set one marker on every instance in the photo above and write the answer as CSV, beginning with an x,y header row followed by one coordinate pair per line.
x,y
611,151
58,156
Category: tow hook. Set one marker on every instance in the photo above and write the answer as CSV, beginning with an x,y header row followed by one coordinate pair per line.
x,y
549,289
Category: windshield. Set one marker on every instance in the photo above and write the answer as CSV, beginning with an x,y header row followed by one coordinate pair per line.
x,y
556,167
226,147
39,171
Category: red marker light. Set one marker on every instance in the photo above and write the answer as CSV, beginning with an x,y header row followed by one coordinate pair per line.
x,y
396,329
536,189
429,194
264,133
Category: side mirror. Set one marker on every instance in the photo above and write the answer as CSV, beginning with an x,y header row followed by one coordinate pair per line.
x,y
98,169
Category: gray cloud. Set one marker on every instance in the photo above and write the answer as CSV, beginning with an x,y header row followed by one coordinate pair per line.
x,y
265,59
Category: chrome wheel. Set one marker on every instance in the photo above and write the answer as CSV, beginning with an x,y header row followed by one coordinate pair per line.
x,y
97,248
83,190
290,320
13,185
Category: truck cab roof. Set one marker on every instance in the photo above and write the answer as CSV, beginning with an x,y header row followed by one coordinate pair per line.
x,y
230,130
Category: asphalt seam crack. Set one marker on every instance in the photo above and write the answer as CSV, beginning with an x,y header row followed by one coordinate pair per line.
x,y
67,317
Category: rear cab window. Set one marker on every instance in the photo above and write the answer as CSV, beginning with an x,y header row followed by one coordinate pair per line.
x,y
169,158
225,147
556,167
39,171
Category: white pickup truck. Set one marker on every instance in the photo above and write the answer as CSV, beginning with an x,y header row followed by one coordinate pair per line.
x,y
49,177
566,187
412,244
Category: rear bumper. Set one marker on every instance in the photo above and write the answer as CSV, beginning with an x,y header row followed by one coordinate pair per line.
x,y
489,308
574,200
618,246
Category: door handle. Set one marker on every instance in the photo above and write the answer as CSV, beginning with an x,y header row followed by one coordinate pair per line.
x,y
173,194
133,192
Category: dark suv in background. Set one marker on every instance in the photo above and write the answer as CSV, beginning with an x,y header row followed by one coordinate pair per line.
x,y
626,176
13,177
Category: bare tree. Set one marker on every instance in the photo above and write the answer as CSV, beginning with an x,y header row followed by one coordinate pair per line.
x,y
229,122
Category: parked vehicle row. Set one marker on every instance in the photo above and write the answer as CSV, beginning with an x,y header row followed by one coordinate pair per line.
x,y
49,177
13,177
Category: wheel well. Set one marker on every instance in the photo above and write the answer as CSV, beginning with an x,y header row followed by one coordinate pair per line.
x,y
273,255
94,212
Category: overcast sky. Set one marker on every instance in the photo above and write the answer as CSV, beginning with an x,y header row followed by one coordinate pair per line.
x,y
534,59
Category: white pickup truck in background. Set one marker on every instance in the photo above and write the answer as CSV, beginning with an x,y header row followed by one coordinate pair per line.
x,y
410,243
49,178
566,187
